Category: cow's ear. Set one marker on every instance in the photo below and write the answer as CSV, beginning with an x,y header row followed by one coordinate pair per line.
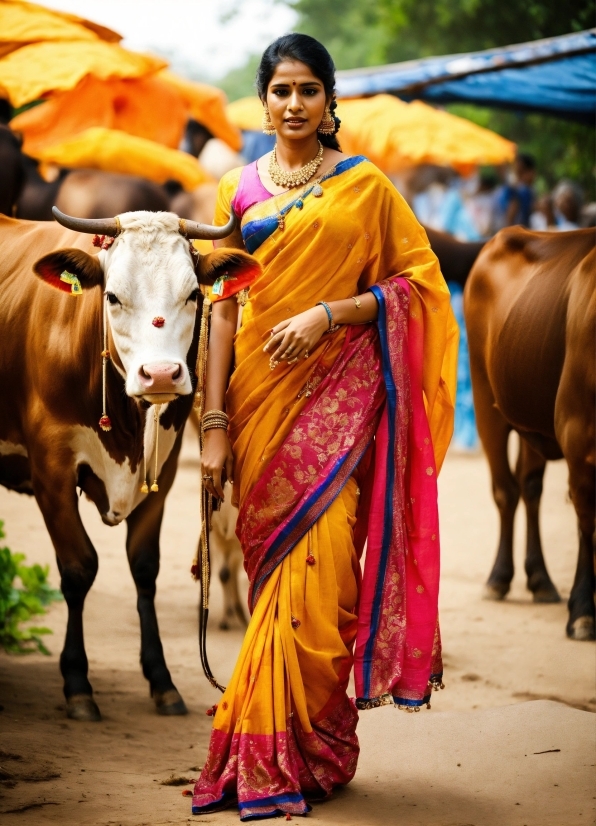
x,y
227,263
69,270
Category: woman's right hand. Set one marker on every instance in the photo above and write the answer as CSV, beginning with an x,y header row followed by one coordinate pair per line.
x,y
217,461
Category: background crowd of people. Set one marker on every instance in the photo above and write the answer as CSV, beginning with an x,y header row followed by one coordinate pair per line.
x,y
475,208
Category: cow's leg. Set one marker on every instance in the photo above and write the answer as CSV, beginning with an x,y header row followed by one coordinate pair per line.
x,y
582,488
235,562
142,547
228,576
494,434
530,474
226,586
575,416
77,562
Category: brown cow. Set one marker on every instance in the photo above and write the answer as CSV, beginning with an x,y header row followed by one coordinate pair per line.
x,y
51,438
530,308
88,193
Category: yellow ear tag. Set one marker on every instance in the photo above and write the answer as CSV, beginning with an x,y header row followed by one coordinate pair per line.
x,y
75,284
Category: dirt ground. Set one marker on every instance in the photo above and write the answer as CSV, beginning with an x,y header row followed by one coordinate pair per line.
x,y
510,742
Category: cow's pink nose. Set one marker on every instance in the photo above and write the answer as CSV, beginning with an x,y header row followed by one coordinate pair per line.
x,y
161,377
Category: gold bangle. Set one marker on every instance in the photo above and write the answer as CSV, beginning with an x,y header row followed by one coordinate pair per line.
x,y
214,419
356,301
214,426
215,414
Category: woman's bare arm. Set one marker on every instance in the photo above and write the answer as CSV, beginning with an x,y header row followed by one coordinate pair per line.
x,y
217,452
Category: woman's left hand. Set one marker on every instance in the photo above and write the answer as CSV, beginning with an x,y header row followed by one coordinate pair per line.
x,y
296,337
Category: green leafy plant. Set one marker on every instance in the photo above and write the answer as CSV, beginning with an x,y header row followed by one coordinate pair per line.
x,y
19,604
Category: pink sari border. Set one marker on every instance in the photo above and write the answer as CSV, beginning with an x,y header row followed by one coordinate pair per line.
x,y
398,645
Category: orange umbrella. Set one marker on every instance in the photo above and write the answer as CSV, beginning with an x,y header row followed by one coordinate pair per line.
x,y
395,135
156,107
22,23
147,107
115,151
32,71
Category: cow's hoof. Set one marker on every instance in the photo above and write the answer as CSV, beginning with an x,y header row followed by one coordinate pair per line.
x,y
546,594
495,591
82,707
169,703
581,629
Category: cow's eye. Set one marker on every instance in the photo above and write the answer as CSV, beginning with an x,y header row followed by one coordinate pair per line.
x,y
193,296
112,298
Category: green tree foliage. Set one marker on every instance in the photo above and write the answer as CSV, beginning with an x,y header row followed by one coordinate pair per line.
x,y
374,32
19,604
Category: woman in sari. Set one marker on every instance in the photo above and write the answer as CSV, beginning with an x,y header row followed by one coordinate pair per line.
x,y
333,426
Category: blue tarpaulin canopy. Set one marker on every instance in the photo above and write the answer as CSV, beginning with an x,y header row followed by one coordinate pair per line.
x,y
555,76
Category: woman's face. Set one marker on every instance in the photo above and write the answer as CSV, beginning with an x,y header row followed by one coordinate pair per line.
x,y
296,100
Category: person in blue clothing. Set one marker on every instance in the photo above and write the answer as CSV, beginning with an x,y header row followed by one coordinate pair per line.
x,y
517,198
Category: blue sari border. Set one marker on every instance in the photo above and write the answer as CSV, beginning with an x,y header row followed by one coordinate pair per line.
x,y
391,394
291,797
256,232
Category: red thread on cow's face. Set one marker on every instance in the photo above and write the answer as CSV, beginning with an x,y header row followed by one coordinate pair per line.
x,y
158,321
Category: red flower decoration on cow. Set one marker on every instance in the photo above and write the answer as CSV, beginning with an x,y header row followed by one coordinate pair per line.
x,y
103,241
158,321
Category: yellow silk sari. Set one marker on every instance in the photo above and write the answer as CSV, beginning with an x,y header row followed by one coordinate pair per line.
x,y
284,731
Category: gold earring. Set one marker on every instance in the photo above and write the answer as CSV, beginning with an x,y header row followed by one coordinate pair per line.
x,y
268,127
327,124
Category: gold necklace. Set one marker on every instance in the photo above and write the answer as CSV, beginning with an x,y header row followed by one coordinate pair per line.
x,y
289,180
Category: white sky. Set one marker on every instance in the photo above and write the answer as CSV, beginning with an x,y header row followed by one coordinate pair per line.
x,y
204,38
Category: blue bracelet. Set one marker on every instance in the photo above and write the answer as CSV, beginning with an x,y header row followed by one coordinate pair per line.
x,y
332,327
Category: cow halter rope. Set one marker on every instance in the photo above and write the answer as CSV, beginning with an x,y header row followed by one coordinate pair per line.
x,y
201,566
105,422
106,230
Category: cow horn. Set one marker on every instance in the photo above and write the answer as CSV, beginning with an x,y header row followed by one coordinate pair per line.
x,y
96,226
191,229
